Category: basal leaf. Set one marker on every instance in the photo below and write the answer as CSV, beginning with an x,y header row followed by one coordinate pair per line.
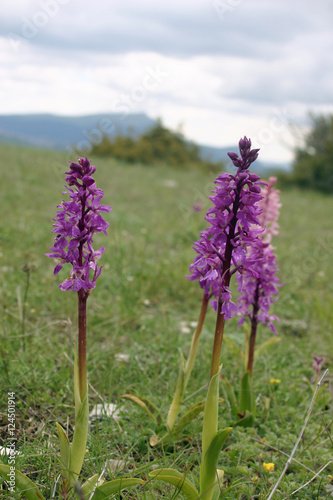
x,y
218,485
229,395
166,439
107,489
208,469
246,397
178,396
22,483
189,416
210,420
64,450
246,421
178,480
89,485
146,405
169,438
79,444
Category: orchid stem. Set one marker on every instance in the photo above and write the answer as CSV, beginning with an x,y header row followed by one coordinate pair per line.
x,y
82,320
254,324
252,345
218,338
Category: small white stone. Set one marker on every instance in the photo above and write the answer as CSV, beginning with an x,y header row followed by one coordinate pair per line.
x,y
105,410
122,357
9,451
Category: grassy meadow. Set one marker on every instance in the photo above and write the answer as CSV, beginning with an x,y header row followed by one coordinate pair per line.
x,y
144,307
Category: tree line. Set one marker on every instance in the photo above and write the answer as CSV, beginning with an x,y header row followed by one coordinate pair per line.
x,y
157,145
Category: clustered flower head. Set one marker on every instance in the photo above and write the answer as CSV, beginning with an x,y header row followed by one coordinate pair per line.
x,y
76,222
260,290
233,219
259,285
317,362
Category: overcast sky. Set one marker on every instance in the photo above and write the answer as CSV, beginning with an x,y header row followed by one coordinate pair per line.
x,y
220,69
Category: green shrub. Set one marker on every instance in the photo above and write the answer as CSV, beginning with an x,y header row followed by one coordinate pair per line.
x,y
156,145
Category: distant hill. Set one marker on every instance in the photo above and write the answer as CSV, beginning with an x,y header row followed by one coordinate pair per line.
x,y
66,132
62,132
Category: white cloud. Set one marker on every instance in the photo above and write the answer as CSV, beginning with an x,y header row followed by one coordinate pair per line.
x,y
228,75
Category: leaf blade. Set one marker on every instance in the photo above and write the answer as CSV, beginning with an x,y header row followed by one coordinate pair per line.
x,y
178,396
178,480
64,450
210,420
208,468
146,405
247,398
111,487
79,443
23,483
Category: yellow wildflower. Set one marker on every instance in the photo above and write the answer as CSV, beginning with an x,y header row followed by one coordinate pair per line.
x,y
269,467
275,381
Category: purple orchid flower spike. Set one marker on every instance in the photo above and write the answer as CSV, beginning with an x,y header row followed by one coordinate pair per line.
x,y
222,248
234,224
259,282
76,223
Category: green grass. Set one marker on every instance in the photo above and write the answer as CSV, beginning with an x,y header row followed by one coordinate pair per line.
x,y
137,308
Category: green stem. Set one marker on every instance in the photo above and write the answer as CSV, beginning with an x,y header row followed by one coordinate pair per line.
x,y
252,345
254,324
82,320
219,328
195,339
218,338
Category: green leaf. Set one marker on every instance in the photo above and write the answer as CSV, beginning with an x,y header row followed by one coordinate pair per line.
x,y
22,483
208,468
187,418
107,489
177,479
246,421
146,405
64,450
265,345
79,444
218,484
166,439
169,438
210,420
247,400
89,485
230,396
178,396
